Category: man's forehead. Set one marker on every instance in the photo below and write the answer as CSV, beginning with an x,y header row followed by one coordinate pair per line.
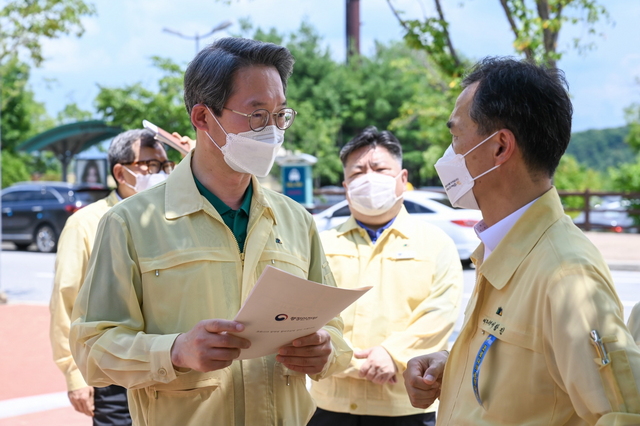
x,y
257,86
369,155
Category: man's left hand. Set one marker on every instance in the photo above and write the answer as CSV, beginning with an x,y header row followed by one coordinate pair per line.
x,y
378,367
308,354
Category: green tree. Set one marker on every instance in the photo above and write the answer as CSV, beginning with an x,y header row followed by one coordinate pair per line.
x,y
336,100
535,24
128,106
602,148
573,176
23,26
22,117
626,177
632,115
25,23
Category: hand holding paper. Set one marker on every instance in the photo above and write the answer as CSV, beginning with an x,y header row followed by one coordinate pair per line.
x,y
308,354
283,308
208,346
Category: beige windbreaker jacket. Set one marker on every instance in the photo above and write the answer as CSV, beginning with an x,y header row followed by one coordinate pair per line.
x,y
416,275
163,261
74,249
540,294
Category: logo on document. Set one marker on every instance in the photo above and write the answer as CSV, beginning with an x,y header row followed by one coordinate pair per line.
x,y
281,317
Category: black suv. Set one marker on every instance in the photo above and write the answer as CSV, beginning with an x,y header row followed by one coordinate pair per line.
x,y
35,212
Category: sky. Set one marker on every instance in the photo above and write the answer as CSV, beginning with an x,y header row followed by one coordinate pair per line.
x,y
119,41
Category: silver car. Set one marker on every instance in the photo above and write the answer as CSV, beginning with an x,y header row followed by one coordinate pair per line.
x,y
431,207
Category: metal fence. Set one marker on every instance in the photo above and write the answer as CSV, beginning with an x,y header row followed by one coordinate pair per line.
x,y
589,211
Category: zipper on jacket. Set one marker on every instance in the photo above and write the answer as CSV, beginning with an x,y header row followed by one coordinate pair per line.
x,y
155,394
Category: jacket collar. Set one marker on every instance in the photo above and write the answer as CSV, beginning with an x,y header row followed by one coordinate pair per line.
x,y
520,240
401,225
112,198
182,197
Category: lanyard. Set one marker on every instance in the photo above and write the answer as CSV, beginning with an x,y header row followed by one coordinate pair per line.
x,y
478,362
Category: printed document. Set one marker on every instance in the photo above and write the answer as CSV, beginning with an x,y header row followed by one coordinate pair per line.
x,y
282,307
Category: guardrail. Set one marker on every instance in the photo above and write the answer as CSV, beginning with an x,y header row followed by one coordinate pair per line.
x,y
588,210
586,206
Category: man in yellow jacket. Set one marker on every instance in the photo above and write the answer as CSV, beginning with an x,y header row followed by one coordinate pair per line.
x,y
172,266
135,158
416,275
543,340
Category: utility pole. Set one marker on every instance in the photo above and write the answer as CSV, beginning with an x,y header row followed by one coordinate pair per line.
x,y
353,28
221,26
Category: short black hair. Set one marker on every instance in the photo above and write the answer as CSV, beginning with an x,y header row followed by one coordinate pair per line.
x,y
209,77
530,100
371,137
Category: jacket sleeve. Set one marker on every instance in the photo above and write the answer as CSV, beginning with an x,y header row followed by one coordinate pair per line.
x,y
581,300
70,267
320,272
107,334
432,321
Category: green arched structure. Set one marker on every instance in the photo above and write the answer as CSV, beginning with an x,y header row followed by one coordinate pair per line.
x,y
68,140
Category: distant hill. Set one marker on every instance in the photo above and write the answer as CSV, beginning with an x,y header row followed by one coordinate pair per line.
x,y
601,149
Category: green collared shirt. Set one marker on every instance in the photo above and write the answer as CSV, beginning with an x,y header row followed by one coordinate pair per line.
x,y
236,220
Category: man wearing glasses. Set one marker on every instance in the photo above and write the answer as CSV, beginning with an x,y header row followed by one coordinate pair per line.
x,y
172,266
137,161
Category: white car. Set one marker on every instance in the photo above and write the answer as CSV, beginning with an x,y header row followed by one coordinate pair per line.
x,y
431,207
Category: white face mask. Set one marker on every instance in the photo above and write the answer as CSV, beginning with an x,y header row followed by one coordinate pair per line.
x,y
251,152
146,181
373,193
457,181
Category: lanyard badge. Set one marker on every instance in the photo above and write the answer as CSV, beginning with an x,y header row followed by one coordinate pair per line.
x,y
475,377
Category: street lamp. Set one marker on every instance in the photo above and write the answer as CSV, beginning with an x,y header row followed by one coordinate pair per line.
x,y
221,26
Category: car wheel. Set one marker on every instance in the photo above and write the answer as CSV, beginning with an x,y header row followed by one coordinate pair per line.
x,y
46,239
22,246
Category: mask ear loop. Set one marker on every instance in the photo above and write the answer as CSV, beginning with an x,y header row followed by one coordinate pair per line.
x,y
489,137
135,176
222,128
468,152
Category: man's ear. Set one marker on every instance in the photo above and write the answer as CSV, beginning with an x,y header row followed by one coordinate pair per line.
x,y
346,192
118,173
200,117
505,146
405,176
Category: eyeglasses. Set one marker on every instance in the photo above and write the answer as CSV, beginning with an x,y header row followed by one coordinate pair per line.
x,y
259,118
153,166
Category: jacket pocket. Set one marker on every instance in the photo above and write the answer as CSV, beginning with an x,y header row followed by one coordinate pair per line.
x,y
285,261
181,288
293,402
190,407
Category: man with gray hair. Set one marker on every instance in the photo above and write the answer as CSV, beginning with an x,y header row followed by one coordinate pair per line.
x,y
173,265
137,161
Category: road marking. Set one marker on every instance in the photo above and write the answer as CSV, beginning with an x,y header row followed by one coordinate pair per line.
x,y
33,404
